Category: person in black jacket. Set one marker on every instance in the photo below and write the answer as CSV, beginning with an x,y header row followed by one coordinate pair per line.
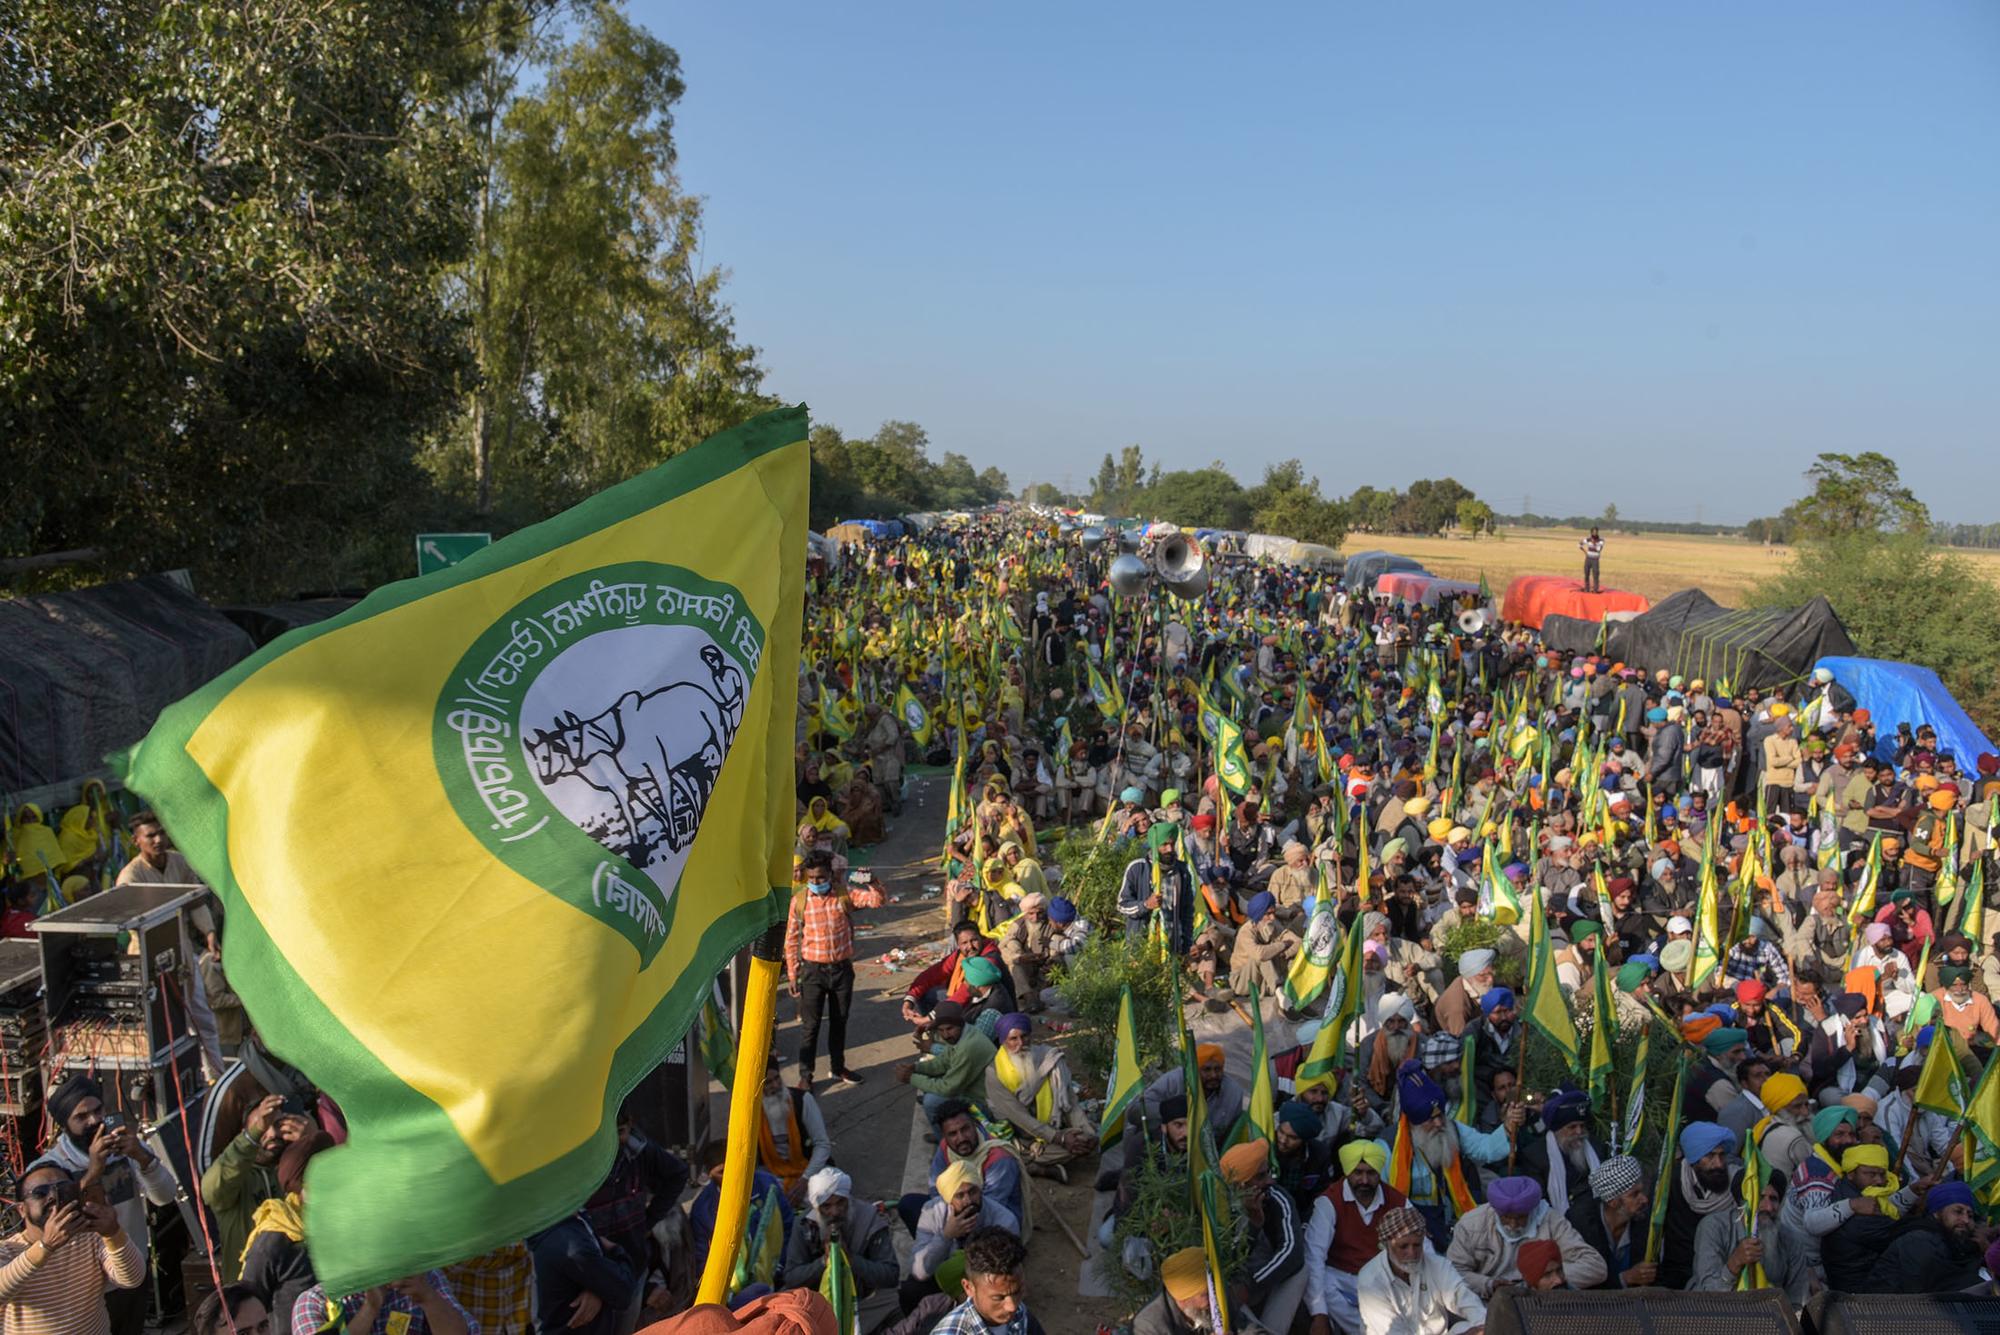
x,y
1614,1220
1849,1253
644,1183
1938,1253
579,1287
275,1263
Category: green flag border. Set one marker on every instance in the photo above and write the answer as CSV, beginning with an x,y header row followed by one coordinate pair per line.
x,y
374,1174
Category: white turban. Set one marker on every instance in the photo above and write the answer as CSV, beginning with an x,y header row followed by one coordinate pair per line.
x,y
826,1184
1393,1004
1474,962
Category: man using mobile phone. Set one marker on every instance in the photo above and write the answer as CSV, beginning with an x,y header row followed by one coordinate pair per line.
x,y
54,1272
112,1165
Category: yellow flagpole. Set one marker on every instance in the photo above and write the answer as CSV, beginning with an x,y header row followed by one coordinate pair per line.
x,y
746,1098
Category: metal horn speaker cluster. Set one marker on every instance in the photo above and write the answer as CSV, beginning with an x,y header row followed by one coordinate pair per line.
x,y
1092,538
1181,564
1471,623
1129,575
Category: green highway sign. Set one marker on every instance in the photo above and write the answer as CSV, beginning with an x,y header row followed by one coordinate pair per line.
x,y
435,551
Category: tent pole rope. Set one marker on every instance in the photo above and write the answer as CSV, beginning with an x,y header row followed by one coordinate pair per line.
x,y
746,1098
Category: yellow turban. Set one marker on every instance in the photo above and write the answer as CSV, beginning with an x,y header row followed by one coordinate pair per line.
x,y
1363,1151
1864,1156
957,1176
1185,1274
1240,1163
1781,1090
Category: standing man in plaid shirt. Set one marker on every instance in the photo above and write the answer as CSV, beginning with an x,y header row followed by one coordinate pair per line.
x,y
1757,956
819,960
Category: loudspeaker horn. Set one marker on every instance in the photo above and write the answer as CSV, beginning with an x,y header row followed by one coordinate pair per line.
x,y
1092,538
1471,623
1128,575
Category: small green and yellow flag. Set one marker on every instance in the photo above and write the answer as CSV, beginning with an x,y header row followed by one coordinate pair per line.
x,y
836,1285
1258,1120
763,1244
1754,1175
1546,1010
1603,1033
1312,963
1126,1078
1330,1043
915,717
1941,1086
485,838
1104,691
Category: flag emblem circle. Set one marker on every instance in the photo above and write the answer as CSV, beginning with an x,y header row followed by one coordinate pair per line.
x,y
587,728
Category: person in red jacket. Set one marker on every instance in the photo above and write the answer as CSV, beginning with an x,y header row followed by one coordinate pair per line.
x,y
946,979
1341,1238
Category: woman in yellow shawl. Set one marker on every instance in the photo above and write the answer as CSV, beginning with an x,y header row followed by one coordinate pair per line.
x,y
822,819
1023,870
1029,1087
275,1260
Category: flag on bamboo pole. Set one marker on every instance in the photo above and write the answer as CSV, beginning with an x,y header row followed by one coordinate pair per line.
x,y
1209,1198
836,1285
1330,1043
1126,1081
1603,1030
1982,1119
1972,917
1707,925
1663,1180
1259,1119
561,770
1635,1093
915,717
1104,691
763,1243
1312,963
834,715
1941,1086
1202,1156
1862,910
1754,1177
1546,1009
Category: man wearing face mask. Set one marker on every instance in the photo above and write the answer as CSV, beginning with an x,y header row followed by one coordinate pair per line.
x,y
819,961
115,1160
54,1272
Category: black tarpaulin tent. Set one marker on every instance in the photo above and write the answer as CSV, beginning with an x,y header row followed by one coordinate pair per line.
x,y
1691,634
86,673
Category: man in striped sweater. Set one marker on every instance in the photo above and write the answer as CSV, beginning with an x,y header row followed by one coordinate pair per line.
x,y
53,1272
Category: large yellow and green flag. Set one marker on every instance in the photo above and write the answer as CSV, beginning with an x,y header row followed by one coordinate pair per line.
x,y
485,838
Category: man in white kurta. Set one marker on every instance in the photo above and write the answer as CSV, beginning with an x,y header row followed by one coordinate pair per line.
x,y
1408,1289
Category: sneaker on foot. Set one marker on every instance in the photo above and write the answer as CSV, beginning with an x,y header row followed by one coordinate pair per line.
x,y
847,1077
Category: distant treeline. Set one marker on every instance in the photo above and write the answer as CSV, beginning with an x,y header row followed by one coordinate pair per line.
x,y
1620,524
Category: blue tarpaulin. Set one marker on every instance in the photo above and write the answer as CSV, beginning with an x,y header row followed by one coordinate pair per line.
x,y
1903,692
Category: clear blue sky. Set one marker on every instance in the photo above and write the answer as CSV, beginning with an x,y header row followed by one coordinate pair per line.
x,y
1585,253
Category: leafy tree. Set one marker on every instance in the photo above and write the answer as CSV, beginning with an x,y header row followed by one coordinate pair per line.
x,y
993,485
1776,528
1370,509
1903,599
1610,516
1287,503
1116,489
224,222
603,344
1857,493
1428,506
1475,517
1045,493
1198,498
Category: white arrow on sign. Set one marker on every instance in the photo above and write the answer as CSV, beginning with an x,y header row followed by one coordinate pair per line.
x,y
432,549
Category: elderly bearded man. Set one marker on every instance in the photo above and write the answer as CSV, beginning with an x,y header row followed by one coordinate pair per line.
x,y
1408,1289
1487,1241
1563,1157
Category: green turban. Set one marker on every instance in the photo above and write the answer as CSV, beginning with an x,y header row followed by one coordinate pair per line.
x,y
1584,929
1826,1119
1166,832
1630,975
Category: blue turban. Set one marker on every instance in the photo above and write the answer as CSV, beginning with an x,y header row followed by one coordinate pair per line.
x,y
1299,1116
1948,1193
1010,1022
1132,795
1701,1139
1259,905
1061,910
1421,1096
1656,715
1496,997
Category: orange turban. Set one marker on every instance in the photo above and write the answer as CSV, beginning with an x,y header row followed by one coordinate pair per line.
x,y
1698,1027
1240,1163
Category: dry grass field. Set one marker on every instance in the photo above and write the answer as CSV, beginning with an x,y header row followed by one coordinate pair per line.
x,y
1653,564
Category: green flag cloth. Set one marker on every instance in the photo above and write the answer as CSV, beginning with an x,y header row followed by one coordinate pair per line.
x,y
1126,1079
1545,1007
